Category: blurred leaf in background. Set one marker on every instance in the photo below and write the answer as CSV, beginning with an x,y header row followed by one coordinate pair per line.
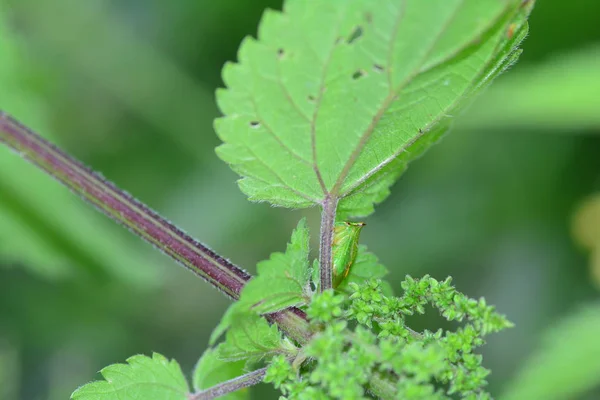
x,y
586,230
559,94
565,365
127,86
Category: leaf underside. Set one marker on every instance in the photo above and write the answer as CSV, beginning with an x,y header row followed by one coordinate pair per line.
x,y
335,98
250,337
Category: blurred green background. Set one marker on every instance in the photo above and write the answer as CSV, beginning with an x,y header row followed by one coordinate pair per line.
x,y
127,86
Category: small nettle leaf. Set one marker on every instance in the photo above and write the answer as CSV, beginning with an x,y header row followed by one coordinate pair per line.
x,y
566,366
210,371
142,378
282,282
335,98
282,279
250,337
366,267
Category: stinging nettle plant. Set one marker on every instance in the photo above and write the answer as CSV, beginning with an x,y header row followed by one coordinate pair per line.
x,y
325,108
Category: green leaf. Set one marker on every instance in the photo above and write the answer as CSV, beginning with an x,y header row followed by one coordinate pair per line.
x,y
567,365
282,282
43,226
282,279
250,337
366,266
211,371
142,378
335,98
376,187
586,222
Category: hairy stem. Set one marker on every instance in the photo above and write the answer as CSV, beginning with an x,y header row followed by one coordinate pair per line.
x,y
138,218
172,241
123,208
243,381
326,242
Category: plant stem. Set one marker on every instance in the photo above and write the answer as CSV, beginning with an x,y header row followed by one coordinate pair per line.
x,y
172,241
326,242
243,381
139,219
123,208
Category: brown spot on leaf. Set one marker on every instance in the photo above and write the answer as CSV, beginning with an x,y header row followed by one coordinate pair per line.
x,y
355,35
358,74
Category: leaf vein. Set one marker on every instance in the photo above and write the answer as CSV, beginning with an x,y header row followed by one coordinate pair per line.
x,y
287,94
423,131
272,133
313,121
386,103
283,184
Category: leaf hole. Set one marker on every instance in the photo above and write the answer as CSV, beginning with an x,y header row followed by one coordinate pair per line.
x,y
378,68
358,74
254,124
355,35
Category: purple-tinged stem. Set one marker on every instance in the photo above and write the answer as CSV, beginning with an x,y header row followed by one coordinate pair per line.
x,y
138,218
123,208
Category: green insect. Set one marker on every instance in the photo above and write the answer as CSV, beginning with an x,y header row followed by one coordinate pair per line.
x,y
345,249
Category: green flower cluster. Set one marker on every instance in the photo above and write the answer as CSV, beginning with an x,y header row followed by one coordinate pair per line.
x,y
362,346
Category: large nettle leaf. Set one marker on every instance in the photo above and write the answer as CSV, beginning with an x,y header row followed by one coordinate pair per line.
x,y
336,97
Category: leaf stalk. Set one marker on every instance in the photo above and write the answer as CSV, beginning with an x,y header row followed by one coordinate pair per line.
x,y
326,242
240,382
